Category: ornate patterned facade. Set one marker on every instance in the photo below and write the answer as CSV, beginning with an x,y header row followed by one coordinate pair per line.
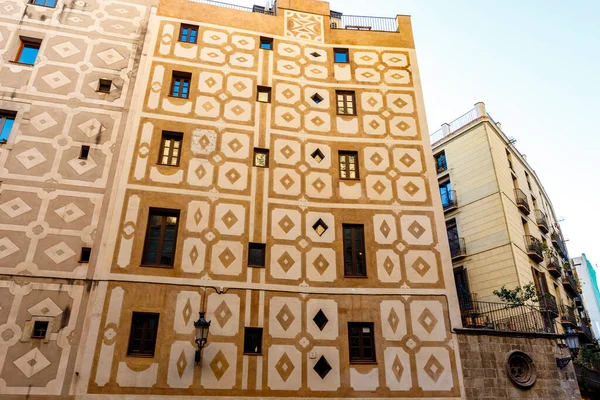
x,y
205,95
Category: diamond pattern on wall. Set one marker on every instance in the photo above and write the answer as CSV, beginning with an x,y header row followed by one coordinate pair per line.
x,y
31,363
181,364
46,308
59,252
321,264
223,314
31,158
229,219
407,160
321,320
421,266
287,181
285,317
91,127
416,229
433,368
388,265
15,207
397,368
385,228
69,213
286,261
66,49
82,166
322,367
393,320
56,79
42,121
110,56
286,224
284,367
227,257
427,320
411,188
7,247
219,365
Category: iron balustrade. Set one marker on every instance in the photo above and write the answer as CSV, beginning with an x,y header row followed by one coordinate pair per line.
x,y
457,247
584,328
522,202
542,221
559,244
535,248
554,266
257,9
505,317
363,23
547,303
455,125
568,316
569,283
449,199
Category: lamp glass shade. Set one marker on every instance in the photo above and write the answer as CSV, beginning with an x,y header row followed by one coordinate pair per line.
x,y
202,327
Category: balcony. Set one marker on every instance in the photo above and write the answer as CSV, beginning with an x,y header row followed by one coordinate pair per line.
x,y
570,284
584,331
535,249
449,200
457,248
505,317
568,316
554,267
362,23
522,202
579,303
547,304
559,245
255,9
542,221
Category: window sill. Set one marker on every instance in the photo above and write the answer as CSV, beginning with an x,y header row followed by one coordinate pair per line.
x,y
363,362
41,5
140,355
157,266
103,91
167,165
177,97
346,115
356,276
183,41
350,179
21,64
256,266
252,354
83,262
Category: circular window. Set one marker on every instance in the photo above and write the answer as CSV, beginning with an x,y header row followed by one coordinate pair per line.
x,y
520,369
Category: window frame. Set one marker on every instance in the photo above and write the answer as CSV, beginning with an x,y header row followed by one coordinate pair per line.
x,y
354,228
102,85
441,156
266,40
248,332
140,353
345,52
260,150
257,246
87,252
346,154
45,329
362,359
344,109
84,152
164,213
6,115
181,77
190,28
263,89
175,137
34,3
33,43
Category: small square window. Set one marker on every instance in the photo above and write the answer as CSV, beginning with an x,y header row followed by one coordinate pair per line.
x,y
7,120
253,340
317,98
28,51
256,254
170,148
40,328
84,152
264,94
346,102
104,85
341,55
180,84
261,157
86,253
348,164
320,227
361,339
266,43
188,33
45,3
318,155
440,162
142,336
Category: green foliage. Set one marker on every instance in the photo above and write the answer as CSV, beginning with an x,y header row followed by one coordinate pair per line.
x,y
519,295
589,357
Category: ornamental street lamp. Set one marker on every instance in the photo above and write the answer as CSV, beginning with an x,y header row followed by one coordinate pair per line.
x,y
202,326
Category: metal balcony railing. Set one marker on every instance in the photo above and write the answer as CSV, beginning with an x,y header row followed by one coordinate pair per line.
x,y
363,23
256,9
441,164
522,202
559,244
455,125
542,221
568,316
554,267
449,200
584,330
504,317
570,284
458,249
534,247
547,304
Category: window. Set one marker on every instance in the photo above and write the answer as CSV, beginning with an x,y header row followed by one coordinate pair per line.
x,y
104,85
362,342
180,86
348,164
170,148
447,193
340,55
317,98
440,162
528,181
266,43
84,152
7,120
28,51
161,238
346,102
142,337
509,158
45,3
253,340
264,94
320,227
40,328
463,289
188,33
354,250
256,254
86,253
261,157
318,155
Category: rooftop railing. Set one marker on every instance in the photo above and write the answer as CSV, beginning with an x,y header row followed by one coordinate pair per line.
x,y
455,125
256,9
363,23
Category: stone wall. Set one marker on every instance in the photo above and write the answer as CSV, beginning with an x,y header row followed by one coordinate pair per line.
x,y
483,360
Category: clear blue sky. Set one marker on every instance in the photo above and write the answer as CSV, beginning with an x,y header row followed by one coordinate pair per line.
x,y
536,66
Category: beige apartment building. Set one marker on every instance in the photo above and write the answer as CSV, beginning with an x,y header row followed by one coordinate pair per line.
x,y
502,228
